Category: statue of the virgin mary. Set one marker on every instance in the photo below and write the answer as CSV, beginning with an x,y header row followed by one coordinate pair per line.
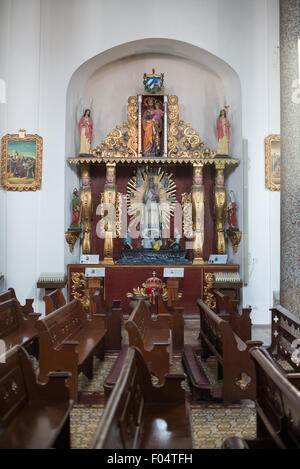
x,y
151,216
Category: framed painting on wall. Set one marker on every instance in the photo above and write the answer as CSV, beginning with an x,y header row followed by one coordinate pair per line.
x,y
21,161
272,161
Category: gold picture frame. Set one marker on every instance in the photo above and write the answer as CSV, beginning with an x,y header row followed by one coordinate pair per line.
x,y
21,161
272,162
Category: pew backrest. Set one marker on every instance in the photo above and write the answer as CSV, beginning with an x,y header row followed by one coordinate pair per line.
x,y
138,320
53,301
121,425
10,294
9,317
152,337
63,323
176,319
113,338
241,323
19,389
231,352
213,327
285,336
13,391
277,402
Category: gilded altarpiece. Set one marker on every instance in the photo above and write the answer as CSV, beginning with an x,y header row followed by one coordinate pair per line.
x,y
156,142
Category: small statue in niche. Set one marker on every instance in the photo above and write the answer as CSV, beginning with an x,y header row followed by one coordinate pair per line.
x,y
233,232
231,212
110,176
86,212
175,243
148,241
157,244
85,132
220,180
198,178
152,126
76,211
223,127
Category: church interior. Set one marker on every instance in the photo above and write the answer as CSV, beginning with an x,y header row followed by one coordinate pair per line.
x,y
150,227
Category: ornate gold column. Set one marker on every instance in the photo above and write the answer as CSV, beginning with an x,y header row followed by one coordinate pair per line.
x,y
109,196
220,207
197,192
86,208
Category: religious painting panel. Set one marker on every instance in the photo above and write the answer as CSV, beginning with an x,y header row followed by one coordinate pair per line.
x,y
153,122
21,162
272,161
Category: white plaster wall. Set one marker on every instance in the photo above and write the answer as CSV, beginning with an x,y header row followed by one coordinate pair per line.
x,y
20,210
59,36
3,125
199,90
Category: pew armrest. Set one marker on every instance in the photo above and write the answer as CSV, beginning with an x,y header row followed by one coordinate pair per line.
x,y
225,316
56,388
28,308
253,343
67,344
98,320
294,378
116,304
164,321
33,315
171,391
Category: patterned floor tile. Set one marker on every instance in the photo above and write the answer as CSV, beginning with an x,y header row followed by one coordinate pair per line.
x,y
211,422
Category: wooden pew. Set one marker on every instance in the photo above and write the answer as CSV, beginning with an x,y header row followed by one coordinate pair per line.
x,y
113,337
176,324
114,373
68,340
53,301
152,337
10,294
285,337
240,323
18,327
32,415
175,314
139,415
277,407
234,364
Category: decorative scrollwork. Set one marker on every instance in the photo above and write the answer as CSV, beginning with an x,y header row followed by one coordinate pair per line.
x,y
141,291
116,140
190,144
79,289
119,209
243,381
132,116
173,125
186,202
208,297
183,140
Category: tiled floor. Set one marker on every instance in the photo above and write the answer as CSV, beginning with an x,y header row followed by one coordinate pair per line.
x,y
211,422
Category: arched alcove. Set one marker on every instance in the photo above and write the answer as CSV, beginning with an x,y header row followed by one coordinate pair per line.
x,y
201,81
